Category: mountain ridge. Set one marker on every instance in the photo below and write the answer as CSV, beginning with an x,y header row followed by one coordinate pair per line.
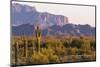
x,y
23,14
68,29
25,18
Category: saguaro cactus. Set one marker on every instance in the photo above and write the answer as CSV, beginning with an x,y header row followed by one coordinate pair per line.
x,y
38,37
16,53
24,39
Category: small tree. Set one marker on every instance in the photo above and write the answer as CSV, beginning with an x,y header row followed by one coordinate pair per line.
x,y
76,43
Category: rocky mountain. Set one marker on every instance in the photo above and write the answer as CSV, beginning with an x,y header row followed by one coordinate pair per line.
x,y
24,14
24,19
68,29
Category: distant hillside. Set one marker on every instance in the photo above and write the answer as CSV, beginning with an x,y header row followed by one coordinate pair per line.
x,y
68,29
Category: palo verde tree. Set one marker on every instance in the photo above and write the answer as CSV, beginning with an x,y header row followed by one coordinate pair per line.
x,y
77,43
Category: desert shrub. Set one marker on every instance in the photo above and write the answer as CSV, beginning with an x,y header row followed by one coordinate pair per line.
x,y
72,51
47,52
86,46
66,44
60,51
39,58
50,53
93,44
43,45
53,58
63,59
75,58
88,58
76,43
81,51
81,37
55,45
68,51
93,57
52,44
13,57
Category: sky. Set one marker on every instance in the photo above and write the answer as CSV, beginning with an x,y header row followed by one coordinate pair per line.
x,y
76,14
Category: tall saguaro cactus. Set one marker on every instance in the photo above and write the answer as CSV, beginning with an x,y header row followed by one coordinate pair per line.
x,y
25,45
38,37
16,53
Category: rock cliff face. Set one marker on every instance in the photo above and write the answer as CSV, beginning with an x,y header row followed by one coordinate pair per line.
x,y
24,19
23,14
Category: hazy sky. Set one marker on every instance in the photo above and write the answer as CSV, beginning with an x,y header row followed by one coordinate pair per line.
x,y
75,14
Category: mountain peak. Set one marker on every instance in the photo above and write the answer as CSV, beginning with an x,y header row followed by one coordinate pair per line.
x,y
19,7
23,14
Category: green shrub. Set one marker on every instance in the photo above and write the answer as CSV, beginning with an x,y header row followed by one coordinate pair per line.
x,y
66,44
93,44
72,51
39,58
76,43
